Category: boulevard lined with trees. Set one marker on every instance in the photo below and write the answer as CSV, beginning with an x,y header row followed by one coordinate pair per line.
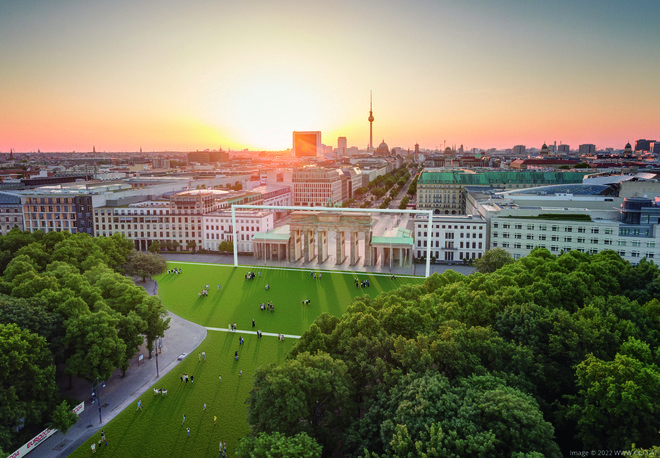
x,y
536,358
65,303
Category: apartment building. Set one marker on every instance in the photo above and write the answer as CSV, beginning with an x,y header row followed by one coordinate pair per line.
x,y
11,212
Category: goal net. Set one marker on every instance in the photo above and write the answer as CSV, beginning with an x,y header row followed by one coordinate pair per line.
x,y
328,238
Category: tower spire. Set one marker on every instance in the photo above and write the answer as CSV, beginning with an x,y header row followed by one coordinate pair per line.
x,y
371,121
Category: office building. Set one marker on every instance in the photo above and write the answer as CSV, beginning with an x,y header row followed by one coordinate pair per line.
x,y
317,187
587,149
453,238
307,144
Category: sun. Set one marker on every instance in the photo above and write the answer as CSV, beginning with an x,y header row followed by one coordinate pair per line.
x,y
261,110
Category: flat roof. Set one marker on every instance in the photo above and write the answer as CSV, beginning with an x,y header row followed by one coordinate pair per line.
x,y
394,236
279,234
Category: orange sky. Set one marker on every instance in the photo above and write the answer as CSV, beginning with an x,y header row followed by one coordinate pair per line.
x,y
193,75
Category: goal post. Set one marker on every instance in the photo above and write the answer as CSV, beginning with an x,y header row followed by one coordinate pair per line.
x,y
357,211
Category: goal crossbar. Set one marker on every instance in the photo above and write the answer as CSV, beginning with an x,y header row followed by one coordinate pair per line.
x,y
429,213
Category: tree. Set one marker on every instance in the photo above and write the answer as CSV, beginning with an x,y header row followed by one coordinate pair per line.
x,y
94,346
478,416
492,260
226,246
277,445
617,402
145,265
154,315
63,417
154,247
309,393
27,380
191,244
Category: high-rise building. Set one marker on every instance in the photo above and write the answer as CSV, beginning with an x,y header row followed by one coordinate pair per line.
x,y
643,145
518,149
342,144
307,144
587,148
564,148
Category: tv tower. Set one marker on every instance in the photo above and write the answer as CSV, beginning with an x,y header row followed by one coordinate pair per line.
x,y
371,126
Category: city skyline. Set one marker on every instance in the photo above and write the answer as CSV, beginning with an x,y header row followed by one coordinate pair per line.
x,y
171,76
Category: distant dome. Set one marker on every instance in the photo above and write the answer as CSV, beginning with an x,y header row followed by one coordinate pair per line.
x,y
383,149
628,145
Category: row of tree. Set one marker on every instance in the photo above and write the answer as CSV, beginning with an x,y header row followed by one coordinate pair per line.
x,y
542,356
65,302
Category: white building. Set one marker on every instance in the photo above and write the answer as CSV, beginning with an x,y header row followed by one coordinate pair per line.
x,y
453,238
218,228
590,222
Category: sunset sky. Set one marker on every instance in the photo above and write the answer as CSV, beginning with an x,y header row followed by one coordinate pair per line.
x,y
181,75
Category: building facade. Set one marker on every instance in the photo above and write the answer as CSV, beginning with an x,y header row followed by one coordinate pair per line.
x,y
57,212
453,238
444,191
11,213
317,187
218,228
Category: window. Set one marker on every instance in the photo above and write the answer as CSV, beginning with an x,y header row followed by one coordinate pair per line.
x,y
505,245
555,228
581,230
607,242
580,240
554,248
555,238
594,230
622,243
593,241
518,226
609,231
518,236
568,229
517,245
506,226
529,247
505,235
635,243
650,244
543,227
530,227
568,239
530,236
542,237
622,253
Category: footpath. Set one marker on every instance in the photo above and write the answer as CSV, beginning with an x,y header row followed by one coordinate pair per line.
x,y
119,392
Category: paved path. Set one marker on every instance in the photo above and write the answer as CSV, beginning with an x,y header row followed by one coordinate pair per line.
x,y
182,337
254,333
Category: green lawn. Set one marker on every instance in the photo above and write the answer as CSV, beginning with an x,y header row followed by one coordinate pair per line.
x,y
157,430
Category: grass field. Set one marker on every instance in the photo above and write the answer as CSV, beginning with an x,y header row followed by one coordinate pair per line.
x,y
157,429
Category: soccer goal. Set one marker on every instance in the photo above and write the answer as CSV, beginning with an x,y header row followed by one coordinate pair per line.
x,y
329,238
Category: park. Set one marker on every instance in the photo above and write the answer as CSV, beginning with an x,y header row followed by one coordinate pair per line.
x,y
220,381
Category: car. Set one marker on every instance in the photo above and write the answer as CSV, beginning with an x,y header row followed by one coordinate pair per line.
x,y
181,356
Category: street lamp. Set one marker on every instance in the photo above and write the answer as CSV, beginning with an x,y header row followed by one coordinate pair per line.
x,y
97,384
156,348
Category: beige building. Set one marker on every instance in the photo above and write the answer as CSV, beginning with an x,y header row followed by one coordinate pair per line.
x,y
317,187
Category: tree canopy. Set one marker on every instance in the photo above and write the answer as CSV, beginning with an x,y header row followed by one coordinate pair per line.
x,y
64,299
536,357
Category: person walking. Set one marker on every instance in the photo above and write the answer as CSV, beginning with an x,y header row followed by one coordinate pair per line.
x,y
215,419
139,406
188,429
220,377
184,419
252,322
105,441
204,409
